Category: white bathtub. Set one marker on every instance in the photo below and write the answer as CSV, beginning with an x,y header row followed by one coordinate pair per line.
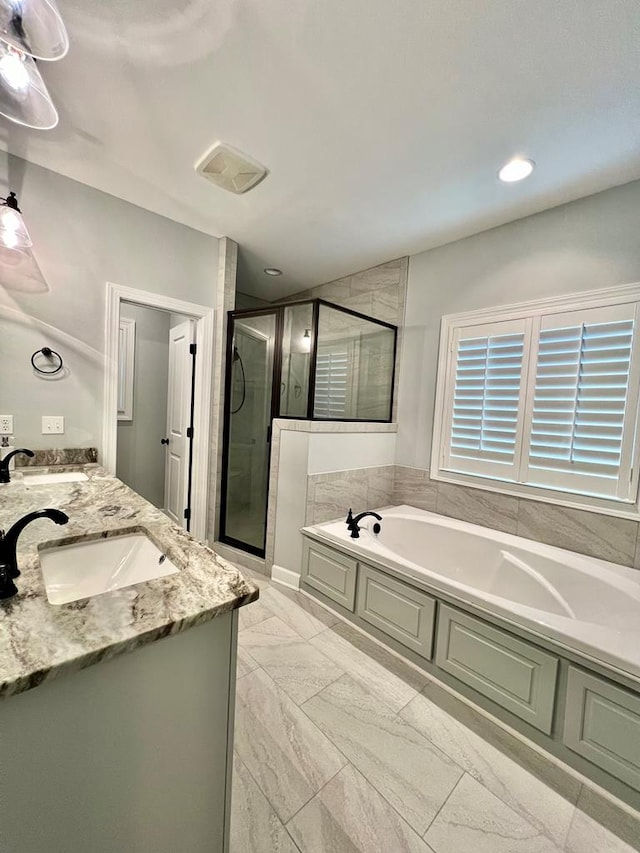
x,y
584,604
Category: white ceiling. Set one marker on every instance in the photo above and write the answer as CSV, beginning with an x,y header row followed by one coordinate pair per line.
x,y
382,122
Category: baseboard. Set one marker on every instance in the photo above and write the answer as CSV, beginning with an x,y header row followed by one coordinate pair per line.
x,y
285,577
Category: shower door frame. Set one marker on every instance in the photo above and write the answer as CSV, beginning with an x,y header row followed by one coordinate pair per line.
x,y
226,433
279,312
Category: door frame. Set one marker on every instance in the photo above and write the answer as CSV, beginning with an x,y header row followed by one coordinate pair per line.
x,y
204,317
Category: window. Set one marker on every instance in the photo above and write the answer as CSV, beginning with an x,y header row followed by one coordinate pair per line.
x,y
542,396
332,383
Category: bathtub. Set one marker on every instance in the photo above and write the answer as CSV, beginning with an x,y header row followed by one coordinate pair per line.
x,y
583,604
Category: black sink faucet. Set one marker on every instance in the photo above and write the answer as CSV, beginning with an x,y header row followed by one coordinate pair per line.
x,y
4,463
352,523
8,543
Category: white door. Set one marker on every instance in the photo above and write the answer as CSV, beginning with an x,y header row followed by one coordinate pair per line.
x,y
178,421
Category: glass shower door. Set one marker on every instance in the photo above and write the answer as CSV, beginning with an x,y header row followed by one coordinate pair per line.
x,y
249,409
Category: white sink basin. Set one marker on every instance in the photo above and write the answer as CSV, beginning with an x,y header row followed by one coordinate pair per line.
x,y
89,568
56,477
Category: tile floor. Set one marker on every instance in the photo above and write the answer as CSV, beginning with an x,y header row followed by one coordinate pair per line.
x,y
341,748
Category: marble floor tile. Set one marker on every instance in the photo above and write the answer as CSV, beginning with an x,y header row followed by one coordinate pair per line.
x,y
253,613
285,752
587,836
304,615
245,663
350,816
532,799
406,768
473,819
255,827
297,667
392,680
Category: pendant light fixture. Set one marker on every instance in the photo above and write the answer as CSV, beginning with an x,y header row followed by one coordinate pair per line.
x,y
34,27
30,30
23,95
13,231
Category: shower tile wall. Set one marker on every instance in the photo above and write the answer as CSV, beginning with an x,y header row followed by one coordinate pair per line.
x,y
379,292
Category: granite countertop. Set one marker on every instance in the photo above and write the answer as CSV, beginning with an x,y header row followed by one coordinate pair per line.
x,y
40,641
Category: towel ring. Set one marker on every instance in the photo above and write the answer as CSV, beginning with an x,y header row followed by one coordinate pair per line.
x,y
47,352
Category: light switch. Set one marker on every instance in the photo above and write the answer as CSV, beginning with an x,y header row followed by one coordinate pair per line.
x,y
52,425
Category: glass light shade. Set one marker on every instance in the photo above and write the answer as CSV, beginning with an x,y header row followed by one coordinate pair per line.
x,y
13,231
23,95
34,27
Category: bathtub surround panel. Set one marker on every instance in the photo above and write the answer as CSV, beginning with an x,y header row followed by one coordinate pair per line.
x,y
604,537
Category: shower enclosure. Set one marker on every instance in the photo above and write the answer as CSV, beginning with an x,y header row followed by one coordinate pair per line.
x,y
304,360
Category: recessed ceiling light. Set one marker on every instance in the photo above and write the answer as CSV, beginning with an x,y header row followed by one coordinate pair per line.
x,y
272,271
516,170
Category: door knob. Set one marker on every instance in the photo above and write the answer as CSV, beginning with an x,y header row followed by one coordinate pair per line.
x,y
164,441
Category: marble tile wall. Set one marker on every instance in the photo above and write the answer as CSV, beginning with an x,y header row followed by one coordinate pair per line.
x,y
601,536
330,495
225,301
378,292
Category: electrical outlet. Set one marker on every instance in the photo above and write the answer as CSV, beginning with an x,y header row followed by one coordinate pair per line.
x,y
6,424
52,425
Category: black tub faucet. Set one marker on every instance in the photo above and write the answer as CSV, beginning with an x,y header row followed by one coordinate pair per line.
x,y
4,463
352,523
8,544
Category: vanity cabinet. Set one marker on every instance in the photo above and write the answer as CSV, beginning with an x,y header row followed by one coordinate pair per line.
x,y
131,754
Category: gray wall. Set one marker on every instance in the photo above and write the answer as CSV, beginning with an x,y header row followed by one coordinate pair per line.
x,y
140,460
82,239
591,243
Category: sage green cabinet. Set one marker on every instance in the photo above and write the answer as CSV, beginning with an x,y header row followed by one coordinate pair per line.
x,y
516,675
331,573
400,610
602,723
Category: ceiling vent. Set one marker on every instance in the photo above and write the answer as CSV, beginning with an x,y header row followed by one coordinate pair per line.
x,y
230,169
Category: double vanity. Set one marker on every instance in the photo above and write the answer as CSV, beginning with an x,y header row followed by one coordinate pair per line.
x,y
117,674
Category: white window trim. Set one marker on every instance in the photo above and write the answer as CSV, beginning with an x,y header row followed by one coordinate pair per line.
x,y
534,309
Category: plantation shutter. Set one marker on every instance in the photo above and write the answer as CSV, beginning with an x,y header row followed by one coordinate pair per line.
x,y
486,399
332,376
580,409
